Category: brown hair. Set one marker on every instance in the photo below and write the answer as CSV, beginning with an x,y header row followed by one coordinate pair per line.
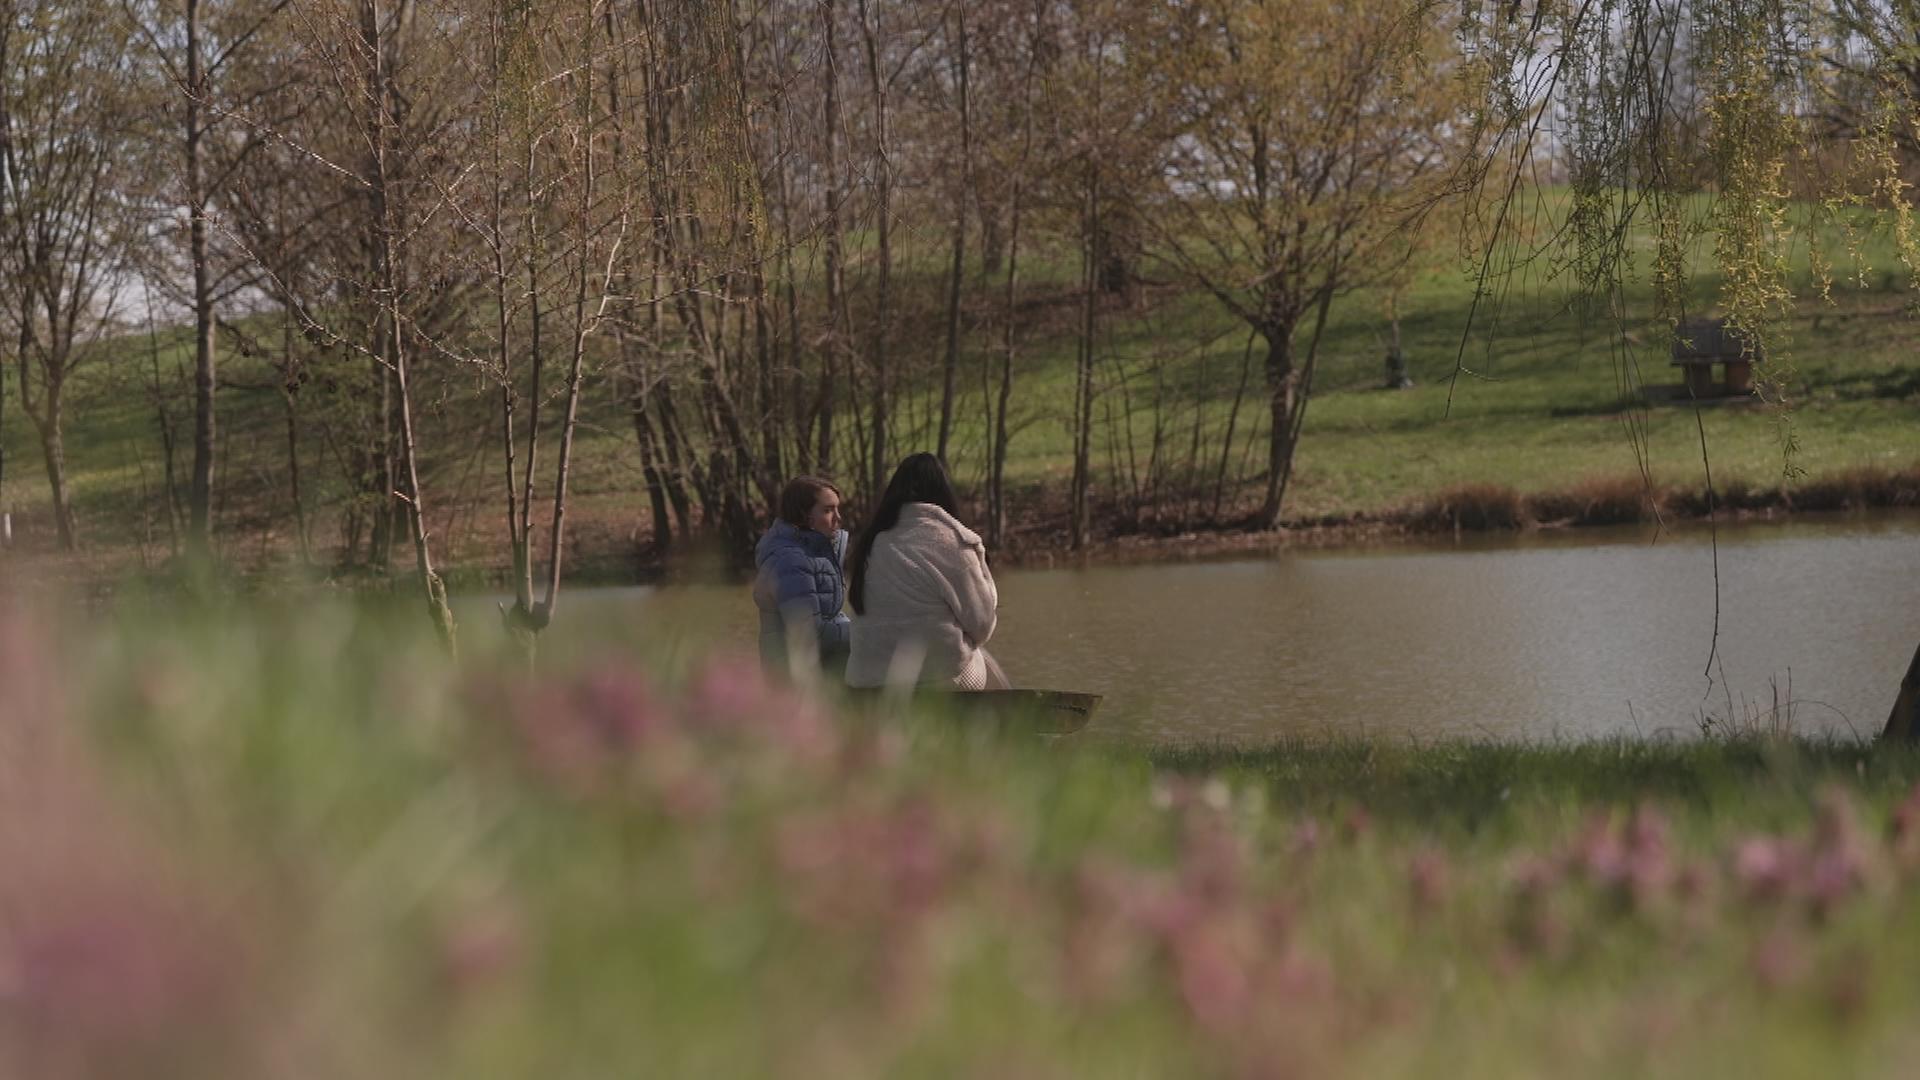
x,y
798,497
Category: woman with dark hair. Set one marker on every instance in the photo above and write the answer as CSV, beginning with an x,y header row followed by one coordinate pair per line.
x,y
918,581
798,585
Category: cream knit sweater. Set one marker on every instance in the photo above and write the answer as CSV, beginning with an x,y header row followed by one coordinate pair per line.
x,y
930,606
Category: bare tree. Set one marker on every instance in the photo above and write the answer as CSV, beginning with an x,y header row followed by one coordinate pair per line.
x,y
839,328
1030,33
200,46
64,109
547,110
281,219
879,82
1310,133
961,194
392,134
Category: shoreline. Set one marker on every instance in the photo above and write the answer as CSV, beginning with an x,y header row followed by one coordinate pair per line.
x,y
1491,510
1471,510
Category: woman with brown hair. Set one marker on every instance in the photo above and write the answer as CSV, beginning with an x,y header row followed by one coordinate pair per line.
x,y
798,585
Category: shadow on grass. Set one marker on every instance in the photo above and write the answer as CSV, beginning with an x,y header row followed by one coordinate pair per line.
x,y
1898,384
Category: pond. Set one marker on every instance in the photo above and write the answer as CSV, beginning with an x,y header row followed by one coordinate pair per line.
x,y
1564,634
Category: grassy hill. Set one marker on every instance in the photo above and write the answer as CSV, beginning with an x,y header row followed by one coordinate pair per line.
x,y
1544,402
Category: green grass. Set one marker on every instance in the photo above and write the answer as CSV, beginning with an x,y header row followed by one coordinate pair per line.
x,y
292,836
1540,408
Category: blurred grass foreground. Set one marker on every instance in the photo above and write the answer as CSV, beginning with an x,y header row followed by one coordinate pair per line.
x,y
275,842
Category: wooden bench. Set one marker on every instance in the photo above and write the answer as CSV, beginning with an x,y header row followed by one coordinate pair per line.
x,y
1699,344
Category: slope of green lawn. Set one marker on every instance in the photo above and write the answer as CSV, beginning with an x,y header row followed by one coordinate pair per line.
x,y
1539,397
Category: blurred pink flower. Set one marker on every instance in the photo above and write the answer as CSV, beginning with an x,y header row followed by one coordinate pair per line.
x,y
1694,881
110,953
1767,867
1833,878
1429,878
853,868
1357,825
1842,860
1599,851
1650,868
1778,960
734,694
1534,923
1533,875
1632,858
618,706
1211,861
1211,974
582,733
1306,837
693,795
916,856
1106,903
481,944
113,965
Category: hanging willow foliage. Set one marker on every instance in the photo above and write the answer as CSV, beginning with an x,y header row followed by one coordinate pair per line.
x,y
1786,117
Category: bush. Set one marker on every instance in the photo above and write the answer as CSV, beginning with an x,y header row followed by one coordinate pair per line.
x,y
1617,500
1473,508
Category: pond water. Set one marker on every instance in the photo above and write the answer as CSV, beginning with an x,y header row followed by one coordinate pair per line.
x,y
1542,636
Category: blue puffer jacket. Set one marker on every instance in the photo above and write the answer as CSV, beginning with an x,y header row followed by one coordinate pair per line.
x,y
799,583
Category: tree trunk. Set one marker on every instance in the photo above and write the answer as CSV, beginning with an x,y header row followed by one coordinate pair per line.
x,y
837,322
1303,396
290,396
3,436
388,282
952,363
1083,376
582,326
674,441
997,469
53,448
200,492
650,468
1904,721
768,410
1118,253
436,592
800,414
1282,386
175,518
380,485
883,287
723,416
997,462
770,413
536,359
993,240
631,364
1233,418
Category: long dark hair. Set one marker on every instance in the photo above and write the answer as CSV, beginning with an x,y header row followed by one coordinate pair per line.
x,y
919,479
